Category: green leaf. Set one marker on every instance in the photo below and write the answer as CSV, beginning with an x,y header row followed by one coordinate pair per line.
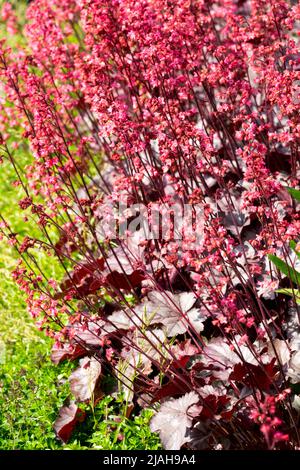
x,y
295,193
295,293
290,272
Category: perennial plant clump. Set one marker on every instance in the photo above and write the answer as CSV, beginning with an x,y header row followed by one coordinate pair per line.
x,y
164,138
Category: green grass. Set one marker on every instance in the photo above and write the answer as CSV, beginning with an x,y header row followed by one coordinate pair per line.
x,y
32,389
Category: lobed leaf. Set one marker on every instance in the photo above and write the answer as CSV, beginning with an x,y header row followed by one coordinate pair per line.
x,y
283,267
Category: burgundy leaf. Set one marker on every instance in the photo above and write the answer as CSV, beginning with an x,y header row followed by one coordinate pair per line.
x,y
84,280
278,161
65,245
279,348
217,353
137,361
66,351
87,333
184,349
123,268
261,376
173,388
179,383
124,281
213,405
175,312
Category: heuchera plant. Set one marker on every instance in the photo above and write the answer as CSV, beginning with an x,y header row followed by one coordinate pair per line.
x,y
165,143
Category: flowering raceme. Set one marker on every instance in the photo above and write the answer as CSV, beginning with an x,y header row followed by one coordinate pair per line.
x,y
164,138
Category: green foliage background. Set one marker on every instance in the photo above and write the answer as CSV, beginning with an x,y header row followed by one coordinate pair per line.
x,y
32,389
